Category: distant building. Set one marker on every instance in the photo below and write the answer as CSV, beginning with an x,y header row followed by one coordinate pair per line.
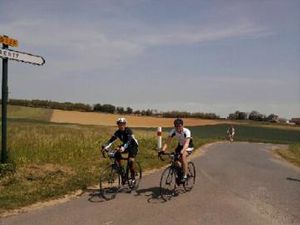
x,y
295,120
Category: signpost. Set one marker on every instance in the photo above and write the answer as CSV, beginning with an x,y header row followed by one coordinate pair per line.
x,y
7,54
22,57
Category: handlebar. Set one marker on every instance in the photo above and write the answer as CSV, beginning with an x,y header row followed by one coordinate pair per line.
x,y
107,152
110,153
161,153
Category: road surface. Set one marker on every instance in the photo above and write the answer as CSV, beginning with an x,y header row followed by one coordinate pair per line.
x,y
237,183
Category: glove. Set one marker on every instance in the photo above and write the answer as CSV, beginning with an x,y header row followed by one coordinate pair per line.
x,y
103,148
161,152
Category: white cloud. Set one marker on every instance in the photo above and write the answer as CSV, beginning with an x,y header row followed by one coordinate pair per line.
x,y
194,35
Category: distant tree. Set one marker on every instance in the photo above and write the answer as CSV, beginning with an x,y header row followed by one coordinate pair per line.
x,y
97,108
129,110
147,112
137,112
238,116
273,118
120,110
254,115
108,108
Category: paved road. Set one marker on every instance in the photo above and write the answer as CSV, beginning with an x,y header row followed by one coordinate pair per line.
x,y
237,183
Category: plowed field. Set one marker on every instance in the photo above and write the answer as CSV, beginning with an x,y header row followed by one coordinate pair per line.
x,y
91,118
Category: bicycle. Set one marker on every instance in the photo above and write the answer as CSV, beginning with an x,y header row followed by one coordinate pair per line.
x,y
114,176
230,137
171,177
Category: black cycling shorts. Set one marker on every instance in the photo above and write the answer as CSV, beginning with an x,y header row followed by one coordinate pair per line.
x,y
180,147
132,152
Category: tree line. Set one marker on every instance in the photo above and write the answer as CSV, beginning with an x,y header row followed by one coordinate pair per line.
x,y
254,115
109,108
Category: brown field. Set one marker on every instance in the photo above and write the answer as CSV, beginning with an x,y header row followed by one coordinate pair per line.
x,y
92,118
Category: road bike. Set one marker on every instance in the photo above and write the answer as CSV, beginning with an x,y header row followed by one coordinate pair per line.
x,y
115,176
230,137
171,177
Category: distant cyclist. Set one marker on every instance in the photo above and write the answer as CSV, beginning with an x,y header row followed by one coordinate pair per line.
x,y
185,144
231,133
129,144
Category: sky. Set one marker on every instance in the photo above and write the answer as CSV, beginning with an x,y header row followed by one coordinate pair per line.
x,y
200,56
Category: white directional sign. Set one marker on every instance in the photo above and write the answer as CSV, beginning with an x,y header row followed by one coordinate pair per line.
x,y
22,56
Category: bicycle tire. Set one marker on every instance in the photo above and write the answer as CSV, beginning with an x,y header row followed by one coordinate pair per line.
x,y
168,183
191,177
109,182
138,177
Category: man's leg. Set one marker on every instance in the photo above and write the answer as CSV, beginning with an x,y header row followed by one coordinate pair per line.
x,y
184,163
118,157
131,158
131,167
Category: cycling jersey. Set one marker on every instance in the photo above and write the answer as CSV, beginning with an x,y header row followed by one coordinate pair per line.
x,y
231,131
127,138
186,133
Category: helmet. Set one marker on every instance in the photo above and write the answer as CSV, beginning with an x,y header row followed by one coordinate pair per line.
x,y
178,121
121,120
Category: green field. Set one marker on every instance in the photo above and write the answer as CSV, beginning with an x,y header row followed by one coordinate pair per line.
x,y
249,133
28,113
54,159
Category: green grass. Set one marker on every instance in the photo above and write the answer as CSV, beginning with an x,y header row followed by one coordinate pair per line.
x,y
291,154
28,113
54,159
248,133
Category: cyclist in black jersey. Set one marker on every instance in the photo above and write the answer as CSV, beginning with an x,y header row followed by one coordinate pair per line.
x,y
129,144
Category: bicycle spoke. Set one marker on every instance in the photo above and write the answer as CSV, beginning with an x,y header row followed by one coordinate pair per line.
x,y
134,184
109,183
168,183
191,177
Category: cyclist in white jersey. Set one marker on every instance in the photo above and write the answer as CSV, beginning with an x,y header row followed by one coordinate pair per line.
x,y
185,144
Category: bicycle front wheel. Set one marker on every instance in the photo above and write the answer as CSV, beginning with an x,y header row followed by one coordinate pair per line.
x,y
191,177
168,183
134,184
110,183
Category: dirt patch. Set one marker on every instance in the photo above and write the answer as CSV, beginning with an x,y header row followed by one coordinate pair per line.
x,y
92,118
37,172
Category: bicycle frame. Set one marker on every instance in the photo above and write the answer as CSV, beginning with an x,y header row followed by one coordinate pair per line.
x,y
115,164
172,177
174,165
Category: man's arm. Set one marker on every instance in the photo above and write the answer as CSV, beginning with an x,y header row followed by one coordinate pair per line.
x,y
167,143
109,143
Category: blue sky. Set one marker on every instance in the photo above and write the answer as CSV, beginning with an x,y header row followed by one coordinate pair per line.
x,y
200,56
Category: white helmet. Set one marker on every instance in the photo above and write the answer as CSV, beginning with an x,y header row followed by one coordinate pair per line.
x,y
121,120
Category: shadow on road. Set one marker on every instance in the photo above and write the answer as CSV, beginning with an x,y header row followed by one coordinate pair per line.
x,y
94,195
152,193
293,179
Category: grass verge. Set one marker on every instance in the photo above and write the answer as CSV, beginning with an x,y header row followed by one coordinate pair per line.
x,y
52,160
292,154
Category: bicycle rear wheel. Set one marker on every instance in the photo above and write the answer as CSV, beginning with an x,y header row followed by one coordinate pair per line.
x,y
110,182
168,183
191,177
134,185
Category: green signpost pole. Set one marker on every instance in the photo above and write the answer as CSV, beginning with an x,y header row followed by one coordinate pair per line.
x,y
4,152
7,54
